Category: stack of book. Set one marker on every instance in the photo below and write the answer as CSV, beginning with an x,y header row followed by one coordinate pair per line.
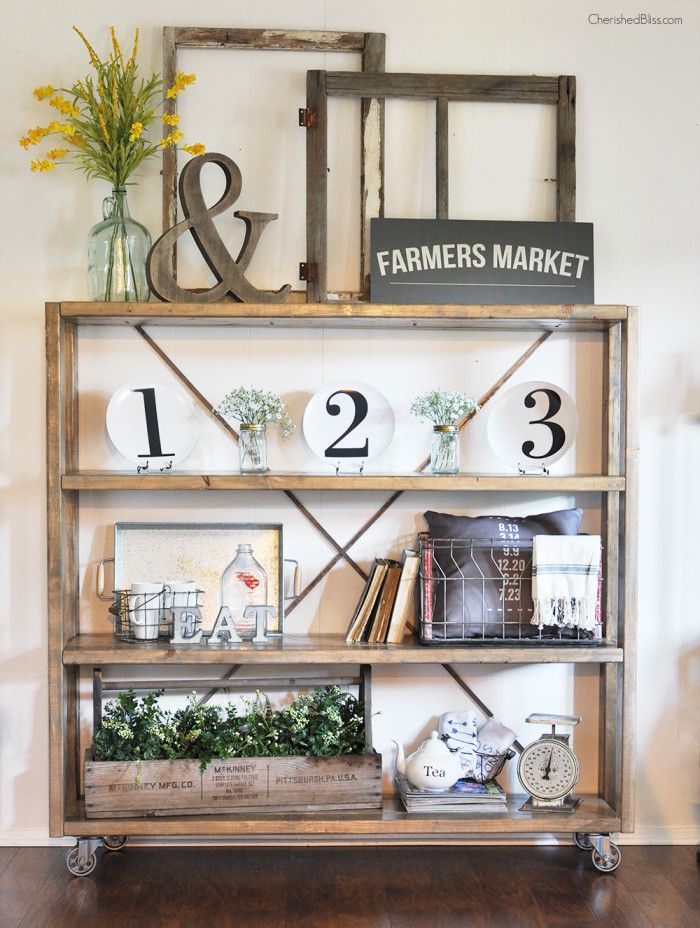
x,y
386,603
464,796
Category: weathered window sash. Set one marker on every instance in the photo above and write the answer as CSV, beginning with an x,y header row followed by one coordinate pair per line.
x,y
369,45
372,89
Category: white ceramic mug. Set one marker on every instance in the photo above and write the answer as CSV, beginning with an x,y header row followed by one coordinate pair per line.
x,y
145,607
179,593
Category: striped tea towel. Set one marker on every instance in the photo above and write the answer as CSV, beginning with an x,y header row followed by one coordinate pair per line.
x,y
565,580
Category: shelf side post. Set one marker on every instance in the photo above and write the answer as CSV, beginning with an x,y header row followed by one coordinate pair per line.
x,y
366,699
62,564
628,629
610,675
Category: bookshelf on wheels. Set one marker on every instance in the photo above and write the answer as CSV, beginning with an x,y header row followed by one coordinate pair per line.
x,y
72,650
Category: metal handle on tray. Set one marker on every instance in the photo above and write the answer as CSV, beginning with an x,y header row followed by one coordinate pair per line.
x,y
297,578
100,579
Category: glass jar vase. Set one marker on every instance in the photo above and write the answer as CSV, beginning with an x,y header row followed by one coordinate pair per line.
x,y
252,449
118,248
444,450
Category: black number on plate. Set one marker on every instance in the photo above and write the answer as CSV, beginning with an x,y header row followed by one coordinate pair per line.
x,y
361,410
152,429
558,433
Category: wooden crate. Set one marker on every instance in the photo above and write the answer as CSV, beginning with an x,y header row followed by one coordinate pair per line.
x,y
255,784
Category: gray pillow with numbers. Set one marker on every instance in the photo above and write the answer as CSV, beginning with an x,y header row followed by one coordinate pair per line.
x,y
485,590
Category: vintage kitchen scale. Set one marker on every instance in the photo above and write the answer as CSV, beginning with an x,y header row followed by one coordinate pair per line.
x,y
548,768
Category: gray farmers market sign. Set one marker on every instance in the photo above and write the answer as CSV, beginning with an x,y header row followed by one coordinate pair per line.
x,y
481,261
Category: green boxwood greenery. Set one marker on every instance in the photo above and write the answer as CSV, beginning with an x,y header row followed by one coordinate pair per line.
x,y
325,723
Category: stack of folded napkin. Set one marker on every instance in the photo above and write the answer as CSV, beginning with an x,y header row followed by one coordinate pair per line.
x,y
480,749
565,580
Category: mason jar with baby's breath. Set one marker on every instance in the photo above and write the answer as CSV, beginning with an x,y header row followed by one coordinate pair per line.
x,y
254,409
447,410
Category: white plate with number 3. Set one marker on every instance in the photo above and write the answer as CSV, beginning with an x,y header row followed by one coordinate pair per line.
x,y
532,425
152,425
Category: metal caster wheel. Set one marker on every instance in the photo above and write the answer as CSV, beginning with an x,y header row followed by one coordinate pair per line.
x,y
583,841
79,865
114,842
607,861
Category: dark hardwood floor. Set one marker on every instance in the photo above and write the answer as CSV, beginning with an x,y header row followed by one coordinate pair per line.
x,y
429,887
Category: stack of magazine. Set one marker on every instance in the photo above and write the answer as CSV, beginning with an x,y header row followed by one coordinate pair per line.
x,y
465,795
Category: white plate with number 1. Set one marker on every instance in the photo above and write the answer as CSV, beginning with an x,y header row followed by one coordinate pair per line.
x,y
152,425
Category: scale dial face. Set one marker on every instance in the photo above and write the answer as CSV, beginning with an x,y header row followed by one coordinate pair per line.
x,y
548,769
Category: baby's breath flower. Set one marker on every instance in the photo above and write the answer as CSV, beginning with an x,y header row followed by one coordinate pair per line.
x,y
251,406
443,407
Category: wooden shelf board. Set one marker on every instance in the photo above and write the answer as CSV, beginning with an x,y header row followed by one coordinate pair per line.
x,y
104,648
347,314
391,823
121,480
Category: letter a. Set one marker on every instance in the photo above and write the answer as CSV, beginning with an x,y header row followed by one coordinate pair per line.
x,y
224,629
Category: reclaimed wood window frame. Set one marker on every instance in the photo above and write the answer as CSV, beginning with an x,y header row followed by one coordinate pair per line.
x,y
371,46
442,88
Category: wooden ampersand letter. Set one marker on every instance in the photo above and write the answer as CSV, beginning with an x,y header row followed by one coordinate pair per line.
x,y
230,273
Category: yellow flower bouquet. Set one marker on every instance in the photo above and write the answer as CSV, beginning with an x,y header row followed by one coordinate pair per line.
x,y
107,116
104,132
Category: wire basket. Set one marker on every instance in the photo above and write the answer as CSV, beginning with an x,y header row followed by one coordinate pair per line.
x,y
480,590
142,617
488,766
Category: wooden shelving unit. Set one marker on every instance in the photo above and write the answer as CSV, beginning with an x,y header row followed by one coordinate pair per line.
x,y
69,649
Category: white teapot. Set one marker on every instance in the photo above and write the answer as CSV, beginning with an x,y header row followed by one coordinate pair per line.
x,y
433,767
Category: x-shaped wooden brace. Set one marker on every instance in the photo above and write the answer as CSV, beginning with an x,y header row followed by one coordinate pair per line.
x,y
342,552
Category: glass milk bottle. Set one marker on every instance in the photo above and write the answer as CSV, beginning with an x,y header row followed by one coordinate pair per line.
x,y
243,583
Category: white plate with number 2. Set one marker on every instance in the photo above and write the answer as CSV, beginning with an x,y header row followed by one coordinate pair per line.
x,y
349,421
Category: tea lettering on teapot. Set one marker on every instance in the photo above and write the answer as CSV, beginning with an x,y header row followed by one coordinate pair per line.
x,y
433,771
